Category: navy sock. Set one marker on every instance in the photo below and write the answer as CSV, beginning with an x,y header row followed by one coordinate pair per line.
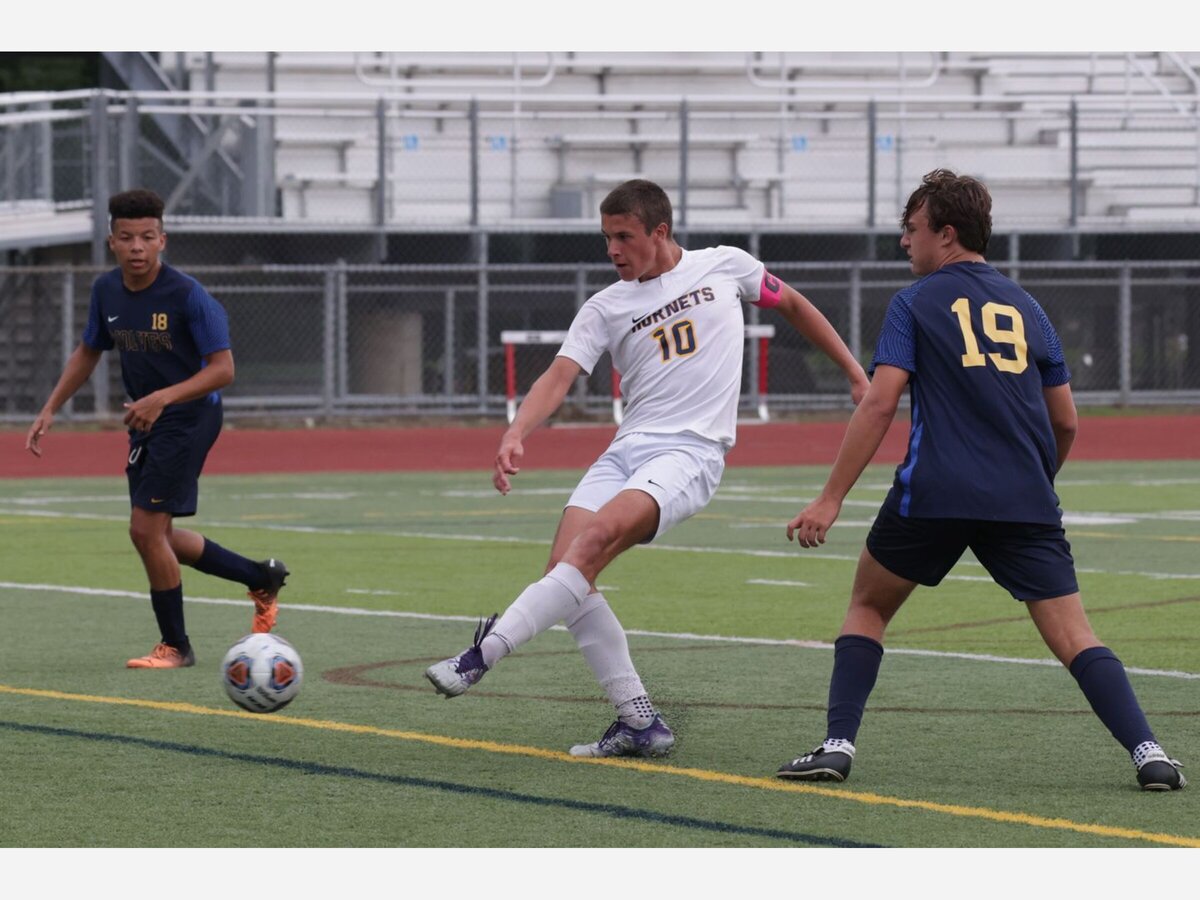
x,y
216,560
168,610
1102,679
856,662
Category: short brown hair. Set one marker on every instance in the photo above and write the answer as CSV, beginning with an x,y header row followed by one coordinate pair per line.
x,y
957,200
135,204
640,198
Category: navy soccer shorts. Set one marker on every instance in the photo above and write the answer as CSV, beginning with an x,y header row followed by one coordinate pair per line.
x,y
165,462
1029,560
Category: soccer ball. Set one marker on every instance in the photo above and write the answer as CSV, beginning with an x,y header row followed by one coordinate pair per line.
x,y
262,673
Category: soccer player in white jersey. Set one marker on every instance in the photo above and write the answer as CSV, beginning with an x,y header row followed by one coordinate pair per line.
x,y
675,328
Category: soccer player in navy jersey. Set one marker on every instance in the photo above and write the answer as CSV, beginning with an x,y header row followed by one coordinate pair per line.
x,y
175,358
992,422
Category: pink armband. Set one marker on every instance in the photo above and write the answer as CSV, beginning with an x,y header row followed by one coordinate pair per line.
x,y
771,291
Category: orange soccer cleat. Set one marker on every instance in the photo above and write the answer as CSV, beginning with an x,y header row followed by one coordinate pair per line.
x,y
163,656
266,610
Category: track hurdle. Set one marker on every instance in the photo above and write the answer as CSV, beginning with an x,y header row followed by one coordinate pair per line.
x,y
512,339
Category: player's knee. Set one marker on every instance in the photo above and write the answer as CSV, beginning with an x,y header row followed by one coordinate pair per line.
x,y
592,543
867,607
141,536
144,535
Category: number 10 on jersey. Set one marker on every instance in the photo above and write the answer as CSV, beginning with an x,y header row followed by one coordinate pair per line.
x,y
681,339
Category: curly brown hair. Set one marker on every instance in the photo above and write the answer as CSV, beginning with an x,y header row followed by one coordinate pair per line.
x,y
957,200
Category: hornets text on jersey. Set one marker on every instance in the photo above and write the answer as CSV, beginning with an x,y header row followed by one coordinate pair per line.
x,y
677,340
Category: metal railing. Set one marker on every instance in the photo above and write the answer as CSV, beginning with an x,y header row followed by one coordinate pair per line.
x,y
390,161
354,340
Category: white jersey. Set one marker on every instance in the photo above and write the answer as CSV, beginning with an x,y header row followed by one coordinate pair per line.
x,y
677,340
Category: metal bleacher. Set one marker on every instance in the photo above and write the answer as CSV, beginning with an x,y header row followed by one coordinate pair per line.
x,y
378,220
804,140
1004,117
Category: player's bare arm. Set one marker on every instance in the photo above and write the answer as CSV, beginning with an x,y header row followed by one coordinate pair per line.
x,y
216,374
544,397
864,434
810,322
75,374
1064,420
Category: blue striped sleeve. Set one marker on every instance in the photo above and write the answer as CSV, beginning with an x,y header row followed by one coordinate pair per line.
x,y
208,322
897,344
1054,368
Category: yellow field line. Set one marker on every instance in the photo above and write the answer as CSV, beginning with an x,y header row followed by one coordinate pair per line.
x,y
766,784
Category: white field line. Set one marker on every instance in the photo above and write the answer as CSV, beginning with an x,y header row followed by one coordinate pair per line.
x,y
1135,482
776,489
1089,519
488,493
541,542
35,500
814,487
735,494
798,502
781,525
1070,517
677,636
1073,519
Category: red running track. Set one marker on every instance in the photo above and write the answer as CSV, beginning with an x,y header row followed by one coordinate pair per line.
x,y
69,453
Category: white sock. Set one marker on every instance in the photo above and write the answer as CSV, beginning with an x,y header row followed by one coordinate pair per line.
x,y
1146,751
602,640
637,713
539,606
838,745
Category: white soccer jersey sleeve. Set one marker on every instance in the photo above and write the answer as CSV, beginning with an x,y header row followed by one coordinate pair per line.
x,y
677,340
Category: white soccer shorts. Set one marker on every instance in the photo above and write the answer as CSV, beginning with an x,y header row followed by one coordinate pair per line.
x,y
680,471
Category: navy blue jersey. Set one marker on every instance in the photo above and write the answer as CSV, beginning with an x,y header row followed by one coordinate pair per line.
x,y
979,351
162,332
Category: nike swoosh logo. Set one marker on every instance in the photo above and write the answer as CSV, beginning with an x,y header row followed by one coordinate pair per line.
x,y
637,319
653,482
113,318
156,500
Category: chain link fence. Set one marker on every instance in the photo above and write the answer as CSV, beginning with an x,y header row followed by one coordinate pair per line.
x,y
343,340
371,246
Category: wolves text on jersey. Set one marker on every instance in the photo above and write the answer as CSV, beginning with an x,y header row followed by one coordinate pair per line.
x,y
687,301
142,340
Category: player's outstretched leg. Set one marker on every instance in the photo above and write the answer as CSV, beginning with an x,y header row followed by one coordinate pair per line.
x,y
1102,678
453,676
263,579
266,610
856,661
537,608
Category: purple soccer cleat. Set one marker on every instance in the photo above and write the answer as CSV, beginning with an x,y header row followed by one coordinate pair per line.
x,y
656,739
453,676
